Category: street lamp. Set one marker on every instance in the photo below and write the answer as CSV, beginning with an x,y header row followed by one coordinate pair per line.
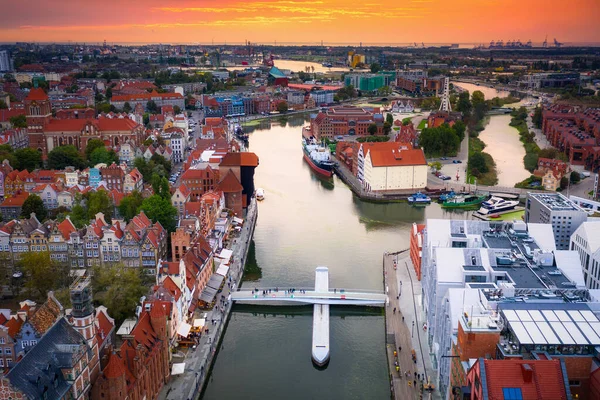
x,y
413,330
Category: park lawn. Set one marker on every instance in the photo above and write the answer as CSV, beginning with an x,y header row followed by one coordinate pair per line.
x,y
422,124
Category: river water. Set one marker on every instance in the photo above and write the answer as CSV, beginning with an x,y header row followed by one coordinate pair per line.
x,y
305,222
502,140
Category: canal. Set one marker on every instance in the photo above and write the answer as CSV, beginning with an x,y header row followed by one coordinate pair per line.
x,y
501,140
305,222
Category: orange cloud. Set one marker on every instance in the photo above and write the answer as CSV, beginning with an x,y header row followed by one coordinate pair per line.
x,y
334,21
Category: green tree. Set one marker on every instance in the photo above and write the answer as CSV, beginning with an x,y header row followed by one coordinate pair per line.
x,y
101,155
435,165
372,129
477,162
78,213
282,107
93,145
464,104
152,107
28,159
161,210
177,110
160,185
65,156
375,68
119,289
130,204
389,118
99,202
6,153
3,105
127,107
564,182
41,274
387,128
537,118
575,177
108,93
18,121
460,128
34,204
479,105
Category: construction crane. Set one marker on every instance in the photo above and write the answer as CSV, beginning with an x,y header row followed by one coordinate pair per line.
x,y
557,43
545,43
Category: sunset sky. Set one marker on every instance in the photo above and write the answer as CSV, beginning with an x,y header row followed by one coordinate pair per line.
x,y
333,21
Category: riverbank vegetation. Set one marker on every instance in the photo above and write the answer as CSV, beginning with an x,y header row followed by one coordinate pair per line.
x,y
252,272
519,121
480,165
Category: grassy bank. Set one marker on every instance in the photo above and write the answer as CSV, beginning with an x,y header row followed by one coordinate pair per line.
x,y
422,124
252,272
518,121
476,146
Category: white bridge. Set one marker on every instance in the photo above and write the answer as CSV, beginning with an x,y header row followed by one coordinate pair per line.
x,y
322,297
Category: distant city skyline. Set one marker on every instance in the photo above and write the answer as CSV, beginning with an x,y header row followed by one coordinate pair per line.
x,y
296,21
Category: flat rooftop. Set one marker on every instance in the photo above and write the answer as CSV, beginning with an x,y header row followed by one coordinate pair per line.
x,y
552,324
554,201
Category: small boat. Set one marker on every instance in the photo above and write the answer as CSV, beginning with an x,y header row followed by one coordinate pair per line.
x,y
497,204
260,194
419,198
463,202
447,196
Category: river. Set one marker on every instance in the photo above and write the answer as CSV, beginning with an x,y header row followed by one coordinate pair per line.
x,y
305,222
502,140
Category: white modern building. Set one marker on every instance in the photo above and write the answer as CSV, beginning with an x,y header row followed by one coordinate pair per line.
x,y
5,61
508,260
554,208
322,96
586,241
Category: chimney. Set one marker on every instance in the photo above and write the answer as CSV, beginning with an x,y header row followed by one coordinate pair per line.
x,y
527,373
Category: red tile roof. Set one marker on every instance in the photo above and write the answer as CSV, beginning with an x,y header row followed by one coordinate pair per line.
x,y
15,201
230,184
391,154
172,287
105,325
66,228
14,326
115,367
146,96
2,319
243,159
183,189
7,113
547,380
192,208
37,94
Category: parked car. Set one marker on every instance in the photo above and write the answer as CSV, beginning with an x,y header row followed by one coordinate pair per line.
x,y
456,162
443,158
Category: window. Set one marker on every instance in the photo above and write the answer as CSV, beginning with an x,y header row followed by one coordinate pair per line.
x,y
7,350
512,393
1,362
2,340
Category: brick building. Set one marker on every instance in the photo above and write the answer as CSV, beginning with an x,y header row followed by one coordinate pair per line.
x,y
416,247
345,120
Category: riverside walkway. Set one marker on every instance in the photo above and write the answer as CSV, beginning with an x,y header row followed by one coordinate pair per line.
x,y
404,331
188,386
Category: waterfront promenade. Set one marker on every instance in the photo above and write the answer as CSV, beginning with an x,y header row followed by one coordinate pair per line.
x,y
404,291
198,361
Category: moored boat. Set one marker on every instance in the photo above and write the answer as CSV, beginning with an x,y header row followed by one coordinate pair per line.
x,y
318,157
463,201
447,196
419,198
497,204
260,194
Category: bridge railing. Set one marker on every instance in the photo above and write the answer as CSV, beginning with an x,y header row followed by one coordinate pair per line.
x,y
310,289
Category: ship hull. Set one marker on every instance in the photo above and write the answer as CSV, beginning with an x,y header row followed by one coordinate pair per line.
x,y
316,168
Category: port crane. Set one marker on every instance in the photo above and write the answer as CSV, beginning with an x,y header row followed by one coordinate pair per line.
x,y
557,43
545,43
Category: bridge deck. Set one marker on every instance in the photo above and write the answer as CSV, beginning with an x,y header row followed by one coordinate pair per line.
x,y
311,297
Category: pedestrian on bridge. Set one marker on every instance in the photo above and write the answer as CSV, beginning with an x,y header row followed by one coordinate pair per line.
x,y
394,310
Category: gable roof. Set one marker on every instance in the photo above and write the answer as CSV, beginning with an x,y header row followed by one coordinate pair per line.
x,y
66,228
37,94
45,316
391,154
230,184
171,286
40,368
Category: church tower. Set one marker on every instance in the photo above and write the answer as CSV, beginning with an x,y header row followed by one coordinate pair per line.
x,y
83,318
38,113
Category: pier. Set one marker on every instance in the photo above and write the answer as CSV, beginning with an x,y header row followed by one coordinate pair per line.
x,y
322,297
